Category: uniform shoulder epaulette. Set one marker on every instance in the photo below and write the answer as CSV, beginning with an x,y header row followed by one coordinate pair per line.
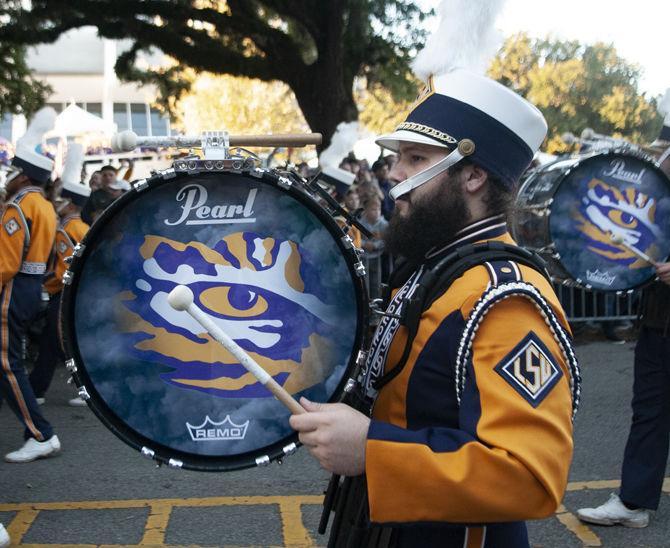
x,y
502,288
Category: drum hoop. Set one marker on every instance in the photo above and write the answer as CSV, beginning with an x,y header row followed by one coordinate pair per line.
x,y
164,454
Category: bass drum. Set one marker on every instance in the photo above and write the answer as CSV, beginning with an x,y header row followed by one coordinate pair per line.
x,y
265,262
569,210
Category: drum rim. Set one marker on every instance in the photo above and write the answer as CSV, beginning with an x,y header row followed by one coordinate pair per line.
x,y
161,453
576,162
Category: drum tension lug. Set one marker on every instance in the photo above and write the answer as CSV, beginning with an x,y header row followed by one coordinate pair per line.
x,y
263,461
175,463
289,449
67,277
361,358
71,365
140,185
359,267
83,394
169,173
147,453
78,250
284,182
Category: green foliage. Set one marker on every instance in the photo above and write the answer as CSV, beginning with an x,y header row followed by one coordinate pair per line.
x,y
578,86
318,48
20,93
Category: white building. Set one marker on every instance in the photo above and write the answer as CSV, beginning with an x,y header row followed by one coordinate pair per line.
x,y
79,67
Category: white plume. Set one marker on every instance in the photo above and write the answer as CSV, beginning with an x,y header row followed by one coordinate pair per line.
x,y
465,38
73,163
43,122
664,106
341,144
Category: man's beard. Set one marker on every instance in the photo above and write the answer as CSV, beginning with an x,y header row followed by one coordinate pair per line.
x,y
432,222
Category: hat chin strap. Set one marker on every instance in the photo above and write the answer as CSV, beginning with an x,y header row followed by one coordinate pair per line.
x,y
465,148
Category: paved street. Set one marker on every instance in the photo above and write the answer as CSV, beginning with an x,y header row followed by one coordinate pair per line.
x,y
100,492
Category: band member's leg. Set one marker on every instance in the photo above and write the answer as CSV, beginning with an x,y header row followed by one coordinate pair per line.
x,y
17,305
646,451
50,351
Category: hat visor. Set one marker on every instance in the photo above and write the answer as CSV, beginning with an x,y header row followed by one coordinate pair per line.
x,y
392,140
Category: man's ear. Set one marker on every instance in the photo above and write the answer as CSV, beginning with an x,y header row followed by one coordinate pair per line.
x,y
474,178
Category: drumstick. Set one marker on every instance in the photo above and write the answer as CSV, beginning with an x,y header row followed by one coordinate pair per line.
x,y
181,298
620,241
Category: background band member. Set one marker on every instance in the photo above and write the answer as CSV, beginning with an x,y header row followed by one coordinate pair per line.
x,y
70,232
27,232
111,187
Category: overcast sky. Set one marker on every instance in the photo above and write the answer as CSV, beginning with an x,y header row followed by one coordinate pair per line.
x,y
639,30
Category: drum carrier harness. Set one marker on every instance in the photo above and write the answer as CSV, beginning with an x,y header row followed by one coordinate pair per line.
x,y
348,499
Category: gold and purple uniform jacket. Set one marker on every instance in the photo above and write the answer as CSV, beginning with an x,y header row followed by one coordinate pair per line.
x,y
468,474
69,234
35,211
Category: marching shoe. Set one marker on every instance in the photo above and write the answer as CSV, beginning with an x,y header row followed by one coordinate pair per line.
x,y
614,511
4,537
34,449
76,402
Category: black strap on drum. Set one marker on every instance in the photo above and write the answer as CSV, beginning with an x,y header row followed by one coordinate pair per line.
x,y
438,278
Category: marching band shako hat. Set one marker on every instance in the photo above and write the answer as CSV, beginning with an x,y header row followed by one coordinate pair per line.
x,y
462,110
72,189
341,179
34,165
506,130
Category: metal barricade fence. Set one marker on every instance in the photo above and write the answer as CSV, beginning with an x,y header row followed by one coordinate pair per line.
x,y
580,305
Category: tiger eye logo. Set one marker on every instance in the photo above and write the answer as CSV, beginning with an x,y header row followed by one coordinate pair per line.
x,y
630,214
254,289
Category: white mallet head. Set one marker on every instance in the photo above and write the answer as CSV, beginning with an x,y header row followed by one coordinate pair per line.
x,y
126,141
617,239
180,298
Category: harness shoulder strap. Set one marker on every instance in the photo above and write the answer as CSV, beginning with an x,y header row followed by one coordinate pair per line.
x,y
436,280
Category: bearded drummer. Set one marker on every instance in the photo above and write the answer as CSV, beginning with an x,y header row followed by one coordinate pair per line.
x,y
470,432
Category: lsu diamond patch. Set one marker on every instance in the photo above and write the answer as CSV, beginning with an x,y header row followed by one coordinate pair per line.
x,y
530,369
12,226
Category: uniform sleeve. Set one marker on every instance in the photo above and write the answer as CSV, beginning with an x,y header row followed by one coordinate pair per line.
x,y
77,231
510,456
12,239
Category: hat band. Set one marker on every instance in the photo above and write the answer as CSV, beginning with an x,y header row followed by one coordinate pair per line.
x,y
428,131
37,174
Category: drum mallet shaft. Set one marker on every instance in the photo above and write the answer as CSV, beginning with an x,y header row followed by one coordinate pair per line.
x,y
181,298
620,241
